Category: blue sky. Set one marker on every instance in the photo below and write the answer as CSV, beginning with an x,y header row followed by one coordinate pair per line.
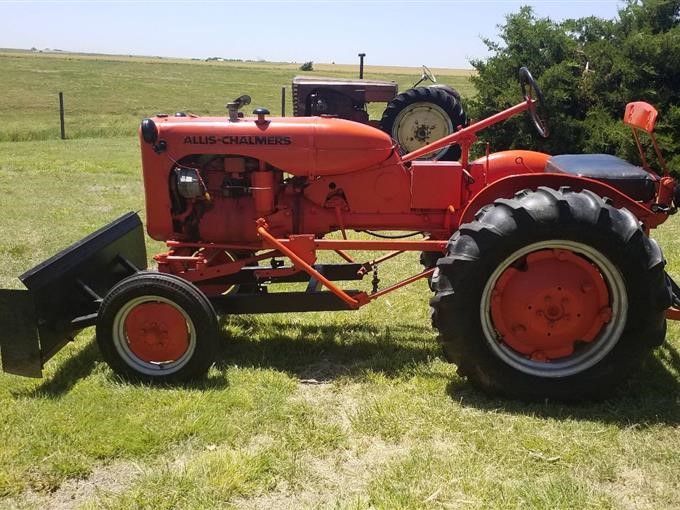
x,y
438,33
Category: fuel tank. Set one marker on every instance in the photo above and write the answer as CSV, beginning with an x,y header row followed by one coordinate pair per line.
x,y
306,146
499,165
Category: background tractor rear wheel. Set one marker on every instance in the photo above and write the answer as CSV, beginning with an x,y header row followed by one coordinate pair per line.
x,y
551,294
157,327
423,115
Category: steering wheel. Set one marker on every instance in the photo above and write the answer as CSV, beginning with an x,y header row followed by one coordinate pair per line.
x,y
428,74
537,109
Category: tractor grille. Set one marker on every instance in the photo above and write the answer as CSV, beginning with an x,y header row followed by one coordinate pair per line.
x,y
298,106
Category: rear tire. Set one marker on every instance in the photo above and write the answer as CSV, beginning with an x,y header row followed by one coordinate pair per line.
x,y
157,327
594,279
422,115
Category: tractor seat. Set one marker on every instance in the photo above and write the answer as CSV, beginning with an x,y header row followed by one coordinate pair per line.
x,y
629,179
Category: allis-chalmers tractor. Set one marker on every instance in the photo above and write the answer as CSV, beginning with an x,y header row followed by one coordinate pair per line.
x,y
546,282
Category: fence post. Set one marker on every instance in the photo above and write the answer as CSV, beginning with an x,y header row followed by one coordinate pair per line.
x,y
283,101
61,115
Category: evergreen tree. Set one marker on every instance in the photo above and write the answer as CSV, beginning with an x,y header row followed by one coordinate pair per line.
x,y
588,68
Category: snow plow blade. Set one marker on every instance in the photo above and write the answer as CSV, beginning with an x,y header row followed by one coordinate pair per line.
x,y
63,294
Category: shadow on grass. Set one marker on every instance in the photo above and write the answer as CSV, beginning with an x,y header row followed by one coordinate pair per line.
x,y
328,352
69,372
304,351
650,397
324,353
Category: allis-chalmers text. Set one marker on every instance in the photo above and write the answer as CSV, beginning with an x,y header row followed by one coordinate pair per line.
x,y
238,140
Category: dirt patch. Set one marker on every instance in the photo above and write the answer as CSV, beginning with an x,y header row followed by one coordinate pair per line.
x,y
634,489
339,404
340,477
109,479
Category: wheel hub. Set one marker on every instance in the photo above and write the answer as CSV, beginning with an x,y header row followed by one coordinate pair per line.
x,y
549,301
419,124
157,332
422,132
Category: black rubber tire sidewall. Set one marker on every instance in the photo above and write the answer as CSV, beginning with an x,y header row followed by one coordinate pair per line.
x,y
194,303
436,95
491,238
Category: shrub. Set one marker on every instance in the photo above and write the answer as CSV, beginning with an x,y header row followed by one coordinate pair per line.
x,y
589,69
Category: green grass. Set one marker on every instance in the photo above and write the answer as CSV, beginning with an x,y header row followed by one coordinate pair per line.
x,y
320,410
105,97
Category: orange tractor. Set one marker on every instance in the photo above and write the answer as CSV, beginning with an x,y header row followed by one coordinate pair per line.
x,y
546,282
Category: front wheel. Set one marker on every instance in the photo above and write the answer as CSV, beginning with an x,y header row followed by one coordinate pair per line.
x,y
551,294
157,327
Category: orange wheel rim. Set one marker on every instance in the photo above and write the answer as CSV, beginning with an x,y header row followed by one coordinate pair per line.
x,y
157,332
547,303
518,336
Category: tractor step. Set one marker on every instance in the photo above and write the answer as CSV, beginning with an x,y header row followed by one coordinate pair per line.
x,y
64,293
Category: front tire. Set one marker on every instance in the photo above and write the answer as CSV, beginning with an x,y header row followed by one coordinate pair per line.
x,y
157,327
551,294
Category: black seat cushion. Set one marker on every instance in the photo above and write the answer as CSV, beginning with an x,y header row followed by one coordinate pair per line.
x,y
632,180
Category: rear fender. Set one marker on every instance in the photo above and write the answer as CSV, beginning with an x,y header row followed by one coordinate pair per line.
x,y
508,186
63,294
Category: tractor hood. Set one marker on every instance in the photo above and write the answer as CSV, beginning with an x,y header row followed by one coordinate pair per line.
x,y
309,146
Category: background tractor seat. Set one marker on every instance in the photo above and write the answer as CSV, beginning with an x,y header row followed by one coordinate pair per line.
x,y
632,180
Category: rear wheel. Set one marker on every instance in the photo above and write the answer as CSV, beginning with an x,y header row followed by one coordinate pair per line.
x,y
157,327
552,294
423,115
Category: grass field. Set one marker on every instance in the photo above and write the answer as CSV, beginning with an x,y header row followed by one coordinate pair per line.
x,y
322,410
107,97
